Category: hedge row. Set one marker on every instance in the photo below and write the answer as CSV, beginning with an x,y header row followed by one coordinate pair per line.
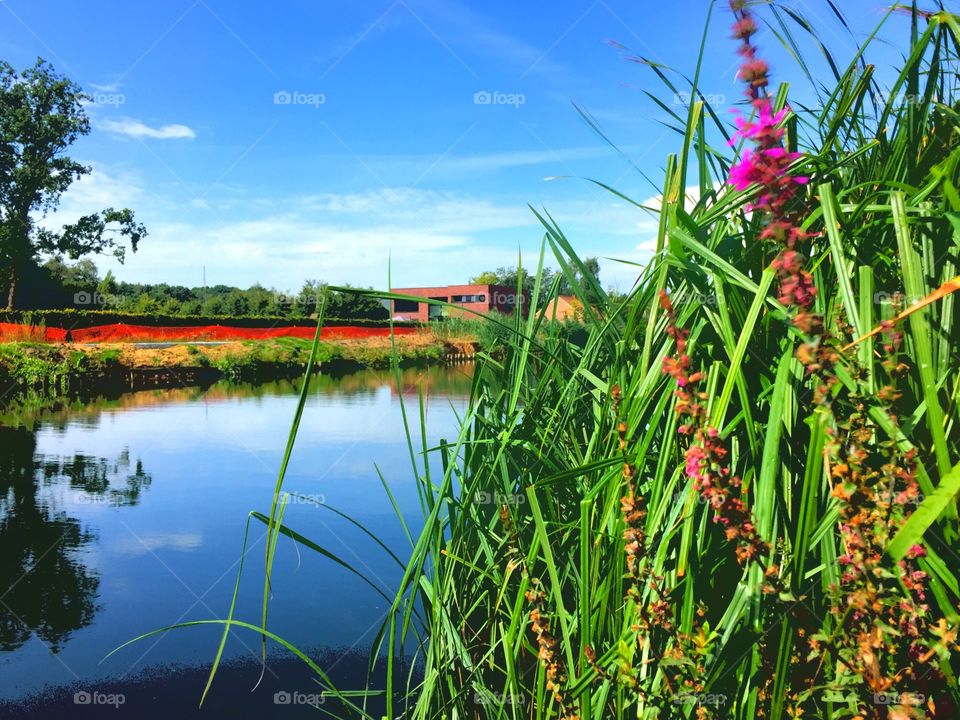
x,y
90,318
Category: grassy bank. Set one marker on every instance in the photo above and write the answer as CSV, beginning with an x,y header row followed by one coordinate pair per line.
x,y
52,367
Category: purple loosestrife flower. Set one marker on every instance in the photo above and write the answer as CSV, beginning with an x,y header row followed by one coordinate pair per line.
x,y
767,167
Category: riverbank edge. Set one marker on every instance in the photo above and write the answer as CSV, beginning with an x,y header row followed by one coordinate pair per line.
x,y
66,369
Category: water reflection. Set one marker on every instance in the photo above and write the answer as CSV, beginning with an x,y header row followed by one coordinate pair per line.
x,y
45,587
123,514
30,410
102,481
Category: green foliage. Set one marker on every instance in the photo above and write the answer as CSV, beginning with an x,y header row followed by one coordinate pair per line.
x,y
510,276
493,337
37,364
59,284
515,598
41,116
88,318
516,586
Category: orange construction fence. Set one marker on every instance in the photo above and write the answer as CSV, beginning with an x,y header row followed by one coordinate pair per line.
x,y
121,333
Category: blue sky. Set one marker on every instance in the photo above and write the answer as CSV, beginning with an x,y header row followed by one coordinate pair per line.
x,y
291,140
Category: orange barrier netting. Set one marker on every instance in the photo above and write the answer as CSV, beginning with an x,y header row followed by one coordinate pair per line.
x,y
122,332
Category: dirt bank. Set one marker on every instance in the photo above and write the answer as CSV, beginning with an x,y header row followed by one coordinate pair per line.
x,y
65,367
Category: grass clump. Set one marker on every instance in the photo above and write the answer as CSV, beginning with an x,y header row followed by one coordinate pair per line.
x,y
739,508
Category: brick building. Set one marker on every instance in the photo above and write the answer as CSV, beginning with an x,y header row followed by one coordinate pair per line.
x,y
476,298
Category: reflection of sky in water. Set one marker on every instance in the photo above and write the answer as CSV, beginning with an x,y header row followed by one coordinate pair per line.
x,y
169,554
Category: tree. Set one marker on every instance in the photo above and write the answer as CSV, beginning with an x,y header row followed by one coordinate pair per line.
x,y
592,266
486,278
108,286
509,275
41,116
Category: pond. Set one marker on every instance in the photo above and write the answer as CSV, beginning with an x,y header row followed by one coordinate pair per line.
x,y
123,516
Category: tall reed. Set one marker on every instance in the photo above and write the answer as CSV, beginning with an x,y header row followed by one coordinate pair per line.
x,y
768,528
765,529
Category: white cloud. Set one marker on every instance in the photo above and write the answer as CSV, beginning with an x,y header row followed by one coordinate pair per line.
x,y
136,129
141,545
654,203
499,161
422,236
284,250
107,88
101,188
414,208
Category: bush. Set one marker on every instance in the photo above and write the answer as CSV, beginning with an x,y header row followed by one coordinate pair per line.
x,y
92,318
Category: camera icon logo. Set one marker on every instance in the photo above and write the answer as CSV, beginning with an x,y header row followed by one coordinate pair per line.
x,y
282,698
482,97
82,698
282,97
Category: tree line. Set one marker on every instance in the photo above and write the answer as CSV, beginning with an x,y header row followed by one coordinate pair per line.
x,y
42,113
57,284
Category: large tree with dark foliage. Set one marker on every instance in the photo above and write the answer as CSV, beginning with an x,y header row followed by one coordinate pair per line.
x,y
41,116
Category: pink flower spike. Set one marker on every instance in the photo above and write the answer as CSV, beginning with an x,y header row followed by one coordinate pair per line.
x,y
916,551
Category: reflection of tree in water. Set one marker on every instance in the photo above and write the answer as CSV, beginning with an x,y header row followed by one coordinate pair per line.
x,y
97,477
44,586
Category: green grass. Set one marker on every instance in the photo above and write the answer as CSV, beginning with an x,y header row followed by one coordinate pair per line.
x,y
494,337
542,435
36,363
297,351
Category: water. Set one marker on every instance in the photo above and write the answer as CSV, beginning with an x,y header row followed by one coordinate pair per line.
x,y
121,517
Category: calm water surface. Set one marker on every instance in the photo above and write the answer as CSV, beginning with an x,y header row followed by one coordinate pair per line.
x,y
120,517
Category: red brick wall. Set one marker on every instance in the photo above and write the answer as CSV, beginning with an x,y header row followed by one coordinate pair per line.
x,y
497,297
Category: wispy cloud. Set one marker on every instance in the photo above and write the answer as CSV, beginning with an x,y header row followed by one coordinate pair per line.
x,y
654,205
183,542
474,30
101,188
107,88
137,129
425,236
